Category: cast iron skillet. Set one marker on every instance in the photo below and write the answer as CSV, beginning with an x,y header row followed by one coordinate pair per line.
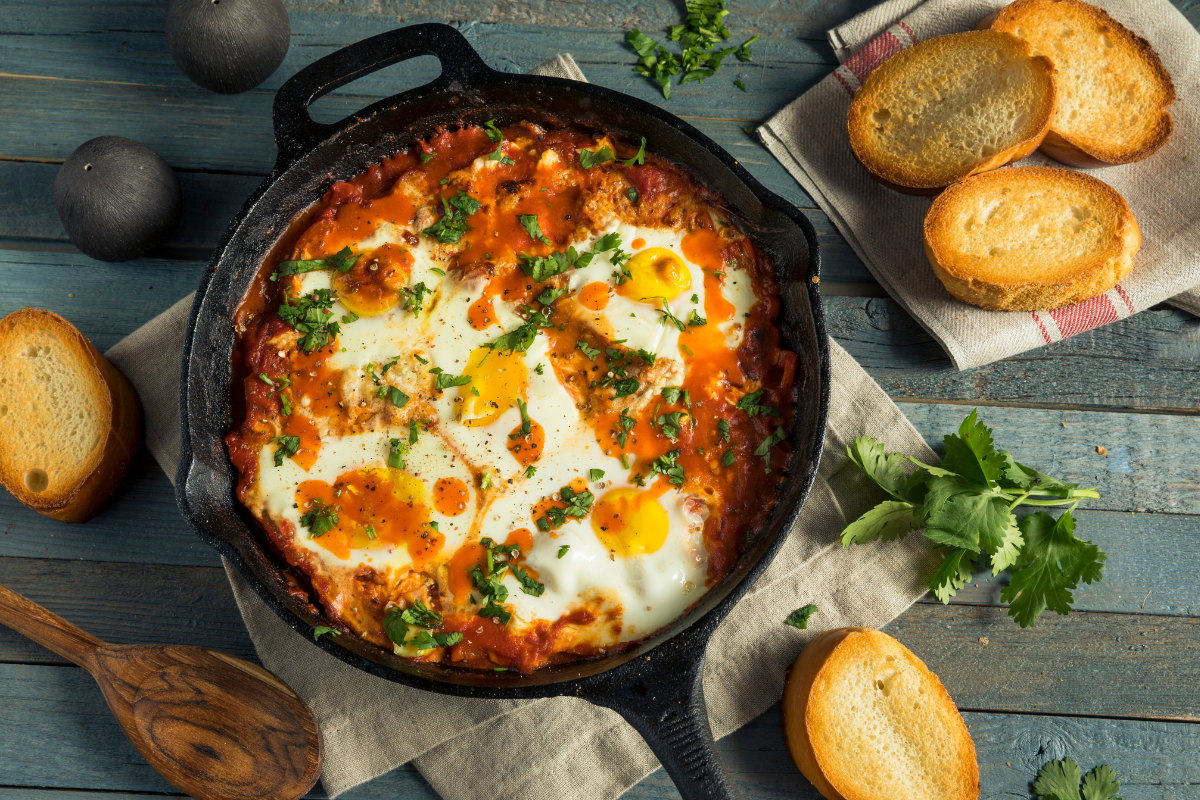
x,y
657,685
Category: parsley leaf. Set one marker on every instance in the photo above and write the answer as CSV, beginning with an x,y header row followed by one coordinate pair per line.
x,y
551,294
626,387
1060,780
321,630
342,261
414,298
445,380
723,430
288,446
526,422
397,450
965,507
517,340
320,519
764,449
595,474
419,614
639,157
668,466
671,394
312,319
499,156
589,159
492,131
542,268
562,551
529,584
799,617
751,406
588,350
399,399
729,458
453,224
531,225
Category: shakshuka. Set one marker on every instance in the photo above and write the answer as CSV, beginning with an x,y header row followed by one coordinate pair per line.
x,y
514,396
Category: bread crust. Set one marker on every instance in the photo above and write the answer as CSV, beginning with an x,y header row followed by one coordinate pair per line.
x,y
898,172
1058,144
975,283
121,414
806,728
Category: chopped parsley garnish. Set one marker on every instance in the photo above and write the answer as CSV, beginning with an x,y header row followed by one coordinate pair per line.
x,y
397,621
609,241
530,471
667,316
320,519
453,224
551,294
671,424
321,630
542,268
696,299
262,376
427,157
397,450
764,449
579,505
626,387
499,156
723,430
420,614
370,531
427,640
526,422
531,225
588,350
414,298
422,360
626,422
671,394
492,131
639,157
799,617
342,261
589,159
562,551
728,459
646,356
445,380
399,399
595,474
738,83
311,317
703,29
349,317
529,584
668,464
751,406
539,369
485,482
632,194
288,446
517,340
438,271
695,320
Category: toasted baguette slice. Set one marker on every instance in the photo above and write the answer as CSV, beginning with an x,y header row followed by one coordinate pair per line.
x,y
70,422
865,719
950,107
1113,91
1030,238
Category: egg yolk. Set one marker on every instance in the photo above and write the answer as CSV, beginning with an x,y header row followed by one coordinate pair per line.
x,y
372,284
497,380
374,507
654,273
629,522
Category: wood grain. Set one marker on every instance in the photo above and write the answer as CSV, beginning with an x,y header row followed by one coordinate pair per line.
x,y
69,740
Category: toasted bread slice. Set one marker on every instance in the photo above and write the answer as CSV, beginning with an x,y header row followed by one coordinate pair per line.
x,y
951,107
1030,238
865,719
70,422
1113,91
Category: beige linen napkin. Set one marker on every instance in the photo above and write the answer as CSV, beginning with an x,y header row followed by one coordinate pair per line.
x,y
566,748
884,227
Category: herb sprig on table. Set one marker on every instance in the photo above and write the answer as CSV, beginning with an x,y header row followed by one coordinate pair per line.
x,y
966,508
1060,780
702,30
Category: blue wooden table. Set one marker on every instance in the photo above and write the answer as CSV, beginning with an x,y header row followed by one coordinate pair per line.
x,y
1116,682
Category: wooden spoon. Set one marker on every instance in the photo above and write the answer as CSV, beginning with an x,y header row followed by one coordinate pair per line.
x,y
215,726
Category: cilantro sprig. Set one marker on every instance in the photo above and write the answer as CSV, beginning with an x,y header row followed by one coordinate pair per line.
x,y
966,508
1060,780
312,317
342,261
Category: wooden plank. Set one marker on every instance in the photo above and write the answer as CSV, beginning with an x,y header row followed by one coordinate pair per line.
x,y
127,604
30,222
1148,361
1088,663
57,732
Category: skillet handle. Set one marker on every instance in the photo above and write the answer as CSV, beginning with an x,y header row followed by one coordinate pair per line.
x,y
296,131
672,718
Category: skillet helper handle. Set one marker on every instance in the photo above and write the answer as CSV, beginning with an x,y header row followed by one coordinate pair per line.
x,y
47,629
296,131
671,716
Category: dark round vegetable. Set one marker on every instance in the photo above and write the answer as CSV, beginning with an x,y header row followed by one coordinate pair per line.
x,y
117,198
228,46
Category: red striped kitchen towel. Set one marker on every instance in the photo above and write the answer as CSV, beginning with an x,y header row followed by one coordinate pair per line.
x,y
884,227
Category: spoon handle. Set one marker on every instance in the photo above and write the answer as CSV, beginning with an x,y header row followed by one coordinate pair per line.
x,y
49,630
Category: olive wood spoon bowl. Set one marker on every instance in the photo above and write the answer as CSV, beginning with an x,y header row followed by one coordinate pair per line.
x,y
214,726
